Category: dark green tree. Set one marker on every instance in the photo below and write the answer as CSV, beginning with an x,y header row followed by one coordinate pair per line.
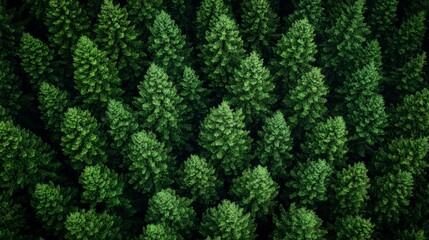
x,y
227,221
274,148
251,89
409,78
159,231
96,77
382,18
327,140
13,217
255,191
184,14
10,89
149,163
199,179
175,211
11,31
144,19
81,140
225,141
4,115
298,223
312,10
354,228
207,16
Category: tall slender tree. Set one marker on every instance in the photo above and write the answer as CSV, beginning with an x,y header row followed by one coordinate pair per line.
x,y
207,15
10,91
144,19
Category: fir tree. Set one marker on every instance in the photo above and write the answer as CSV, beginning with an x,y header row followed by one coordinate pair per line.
x,y
10,33
144,19
159,231
327,140
255,191
13,220
227,221
169,208
149,163
382,18
312,10
354,228
81,139
409,79
199,179
10,91
274,148
4,115
298,223
225,141
251,89
184,14
207,16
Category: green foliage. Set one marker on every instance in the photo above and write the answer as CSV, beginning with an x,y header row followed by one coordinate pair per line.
x,y
88,224
354,228
227,221
96,77
327,140
294,53
409,79
199,179
159,231
208,15
10,92
255,191
362,83
259,25
4,115
12,219
144,19
149,163
225,141
312,10
10,32
298,223
251,89
309,182
274,148
82,140
169,208
350,190
382,18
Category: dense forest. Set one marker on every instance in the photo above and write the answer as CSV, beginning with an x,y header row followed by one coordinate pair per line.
x,y
214,119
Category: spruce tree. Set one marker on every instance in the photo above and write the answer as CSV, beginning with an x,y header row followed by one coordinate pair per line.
x,y
409,78
175,211
144,19
327,140
207,15
298,223
251,89
354,228
200,180
4,115
81,140
159,231
149,163
255,191
382,18
96,77
274,147
312,10
259,25
294,55
184,14
10,33
13,219
10,91
225,141
227,221
222,53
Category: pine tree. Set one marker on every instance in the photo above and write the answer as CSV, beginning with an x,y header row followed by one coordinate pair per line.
x,y
199,179
259,25
96,78
222,53
306,102
255,191
10,91
382,18
149,163
225,141
88,224
294,55
54,102
184,14
169,208
409,79
309,182
327,140
82,140
298,223
274,147
159,231
168,46
13,219
144,19
227,221
207,16
354,228
350,190
312,10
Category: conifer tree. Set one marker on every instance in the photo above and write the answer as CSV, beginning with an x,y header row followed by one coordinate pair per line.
x,y
168,46
382,18
327,140
350,190
4,115
149,163
255,191
207,16
294,55
11,32
200,180
159,231
274,148
225,141
82,140
409,78
373,54
251,89
54,102
298,223
88,224
169,208
354,228
144,19
13,217
306,101
184,14
312,10
222,53
10,91
227,221
96,77
259,25
309,182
